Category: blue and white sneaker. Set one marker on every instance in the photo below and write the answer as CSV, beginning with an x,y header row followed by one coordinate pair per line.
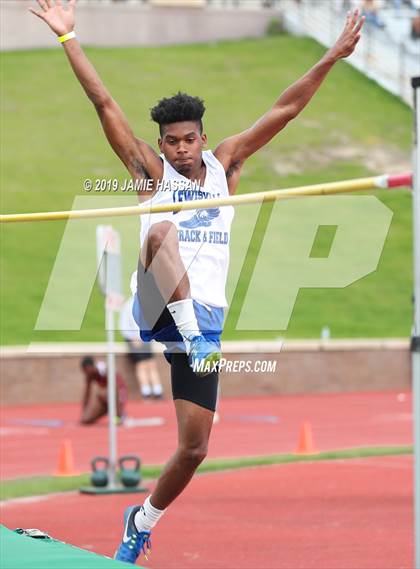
x,y
134,542
203,355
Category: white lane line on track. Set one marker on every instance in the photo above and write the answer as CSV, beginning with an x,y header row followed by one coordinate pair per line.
x,y
14,431
33,499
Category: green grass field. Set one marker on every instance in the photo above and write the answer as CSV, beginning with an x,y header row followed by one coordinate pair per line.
x,y
40,485
51,141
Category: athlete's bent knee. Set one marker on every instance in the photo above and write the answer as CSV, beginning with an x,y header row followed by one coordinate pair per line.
x,y
193,456
159,233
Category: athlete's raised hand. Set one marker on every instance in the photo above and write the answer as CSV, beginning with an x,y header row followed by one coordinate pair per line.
x,y
346,43
59,18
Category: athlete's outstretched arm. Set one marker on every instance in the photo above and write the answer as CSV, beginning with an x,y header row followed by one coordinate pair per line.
x,y
137,156
234,150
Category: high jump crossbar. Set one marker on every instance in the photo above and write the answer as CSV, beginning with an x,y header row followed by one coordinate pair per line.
x,y
346,186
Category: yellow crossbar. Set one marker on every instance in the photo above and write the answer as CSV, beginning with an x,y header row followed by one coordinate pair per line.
x,y
345,186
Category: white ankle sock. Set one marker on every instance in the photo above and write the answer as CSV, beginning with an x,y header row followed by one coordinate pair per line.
x,y
157,390
148,516
146,391
183,313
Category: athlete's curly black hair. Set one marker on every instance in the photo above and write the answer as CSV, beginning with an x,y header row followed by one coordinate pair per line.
x,y
180,107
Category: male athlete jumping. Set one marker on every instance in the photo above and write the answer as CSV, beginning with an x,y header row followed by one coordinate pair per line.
x,y
180,284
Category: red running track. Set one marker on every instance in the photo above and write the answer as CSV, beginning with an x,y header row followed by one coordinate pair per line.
x,y
353,514
248,426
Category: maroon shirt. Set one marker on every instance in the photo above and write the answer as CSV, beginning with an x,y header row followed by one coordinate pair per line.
x,y
102,380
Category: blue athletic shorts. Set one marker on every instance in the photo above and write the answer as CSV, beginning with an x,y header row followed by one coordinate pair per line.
x,y
156,322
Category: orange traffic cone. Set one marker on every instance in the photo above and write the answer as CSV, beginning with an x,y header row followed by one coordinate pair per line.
x,y
65,460
306,443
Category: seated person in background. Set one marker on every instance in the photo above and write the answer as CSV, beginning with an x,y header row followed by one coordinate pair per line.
x,y
95,399
140,354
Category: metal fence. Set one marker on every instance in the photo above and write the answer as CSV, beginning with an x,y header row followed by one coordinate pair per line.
x,y
386,52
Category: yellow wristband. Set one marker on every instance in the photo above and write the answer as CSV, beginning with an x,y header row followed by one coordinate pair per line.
x,y
67,37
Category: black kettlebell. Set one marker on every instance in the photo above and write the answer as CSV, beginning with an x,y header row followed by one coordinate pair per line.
x,y
130,470
99,475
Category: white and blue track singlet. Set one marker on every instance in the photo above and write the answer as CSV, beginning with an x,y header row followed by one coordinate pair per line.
x,y
204,234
